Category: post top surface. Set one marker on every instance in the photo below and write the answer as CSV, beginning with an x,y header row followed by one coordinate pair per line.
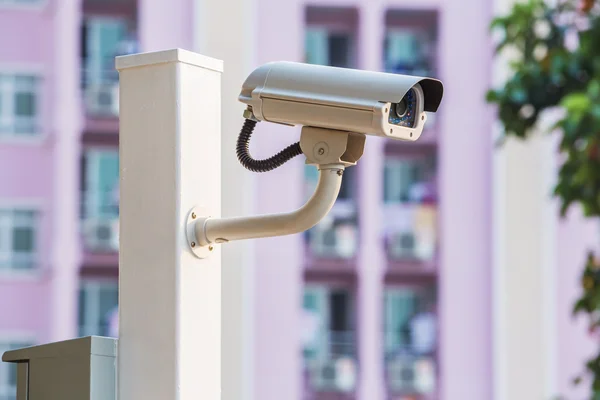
x,y
167,56
89,345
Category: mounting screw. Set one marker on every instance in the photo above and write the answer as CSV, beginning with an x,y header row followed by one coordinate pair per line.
x,y
193,244
321,151
210,248
340,172
193,215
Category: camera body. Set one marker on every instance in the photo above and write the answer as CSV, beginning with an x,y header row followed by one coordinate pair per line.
x,y
374,103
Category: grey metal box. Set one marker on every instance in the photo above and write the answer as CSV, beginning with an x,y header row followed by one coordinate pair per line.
x,y
78,369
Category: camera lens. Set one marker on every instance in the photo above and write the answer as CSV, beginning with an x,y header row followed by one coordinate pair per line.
x,y
403,112
401,108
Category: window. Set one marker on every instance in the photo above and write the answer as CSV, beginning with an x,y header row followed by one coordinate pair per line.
x,y
8,371
410,41
328,48
103,39
101,184
330,36
98,302
329,342
18,241
410,339
313,322
329,322
100,200
410,209
405,53
409,179
339,311
400,306
19,105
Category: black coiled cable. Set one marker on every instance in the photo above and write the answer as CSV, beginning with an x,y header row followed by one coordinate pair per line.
x,y
269,164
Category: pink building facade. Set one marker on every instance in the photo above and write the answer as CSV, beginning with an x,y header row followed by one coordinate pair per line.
x,y
391,297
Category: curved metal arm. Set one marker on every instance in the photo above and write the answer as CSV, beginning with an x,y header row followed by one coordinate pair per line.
x,y
222,230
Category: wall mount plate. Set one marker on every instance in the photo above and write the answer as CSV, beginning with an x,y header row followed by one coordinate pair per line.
x,y
197,215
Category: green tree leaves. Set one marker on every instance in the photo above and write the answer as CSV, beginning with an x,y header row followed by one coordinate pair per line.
x,y
554,55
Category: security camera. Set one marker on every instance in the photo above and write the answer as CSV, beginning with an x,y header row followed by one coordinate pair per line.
x,y
336,108
374,103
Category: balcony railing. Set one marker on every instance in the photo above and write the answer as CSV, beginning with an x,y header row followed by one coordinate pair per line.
x,y
331,364
410,231
411,374
101,93
100,82
410,367
100,221
337,235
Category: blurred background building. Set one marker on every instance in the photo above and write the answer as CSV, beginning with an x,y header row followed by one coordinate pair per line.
x,y
430,279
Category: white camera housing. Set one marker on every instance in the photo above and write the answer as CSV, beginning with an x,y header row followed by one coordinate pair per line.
x,y
336,108
342,99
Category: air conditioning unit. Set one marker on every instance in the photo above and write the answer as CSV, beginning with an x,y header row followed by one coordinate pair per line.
x,y
102,99
324,376
337,241
323,241
335,375
101,234
403,245
412,375
401,375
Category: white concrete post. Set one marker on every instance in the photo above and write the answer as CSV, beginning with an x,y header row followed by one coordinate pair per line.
x,y
169,300
237,274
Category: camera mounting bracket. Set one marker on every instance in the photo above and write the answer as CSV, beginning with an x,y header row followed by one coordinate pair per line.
x,y
331,151
327,146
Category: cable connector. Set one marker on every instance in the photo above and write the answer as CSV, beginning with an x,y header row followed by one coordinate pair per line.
x,y
249,114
